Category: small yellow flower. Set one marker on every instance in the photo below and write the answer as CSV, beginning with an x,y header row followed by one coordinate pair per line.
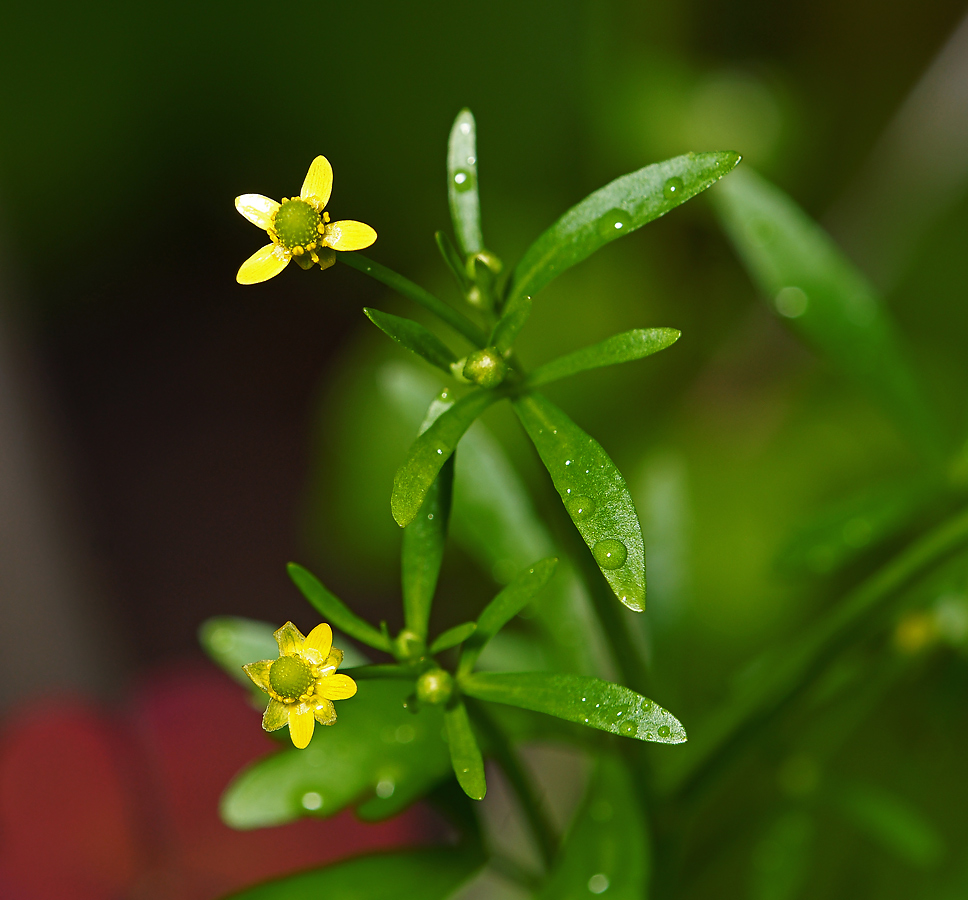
x,y
302,682
299,228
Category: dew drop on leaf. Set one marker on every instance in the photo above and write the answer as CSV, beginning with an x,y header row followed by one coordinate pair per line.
x,y
580,507
610,554
614,223
664,731
463,179
672,189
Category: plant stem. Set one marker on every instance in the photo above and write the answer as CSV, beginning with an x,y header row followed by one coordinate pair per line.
x,y
534,809
794,670
457,320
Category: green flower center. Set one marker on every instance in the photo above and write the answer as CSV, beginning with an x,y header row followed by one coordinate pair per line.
x,y
289,677
296,223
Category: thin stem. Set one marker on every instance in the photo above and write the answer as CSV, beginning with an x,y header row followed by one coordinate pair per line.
x,y
457,320
794,670
534,810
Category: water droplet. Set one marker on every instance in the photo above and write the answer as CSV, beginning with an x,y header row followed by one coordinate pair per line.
x,y
629,728
620,712
567,462
649,736
465,127
597,705
385,788
582,699
614,223
598,883
440,451
312,800
430,515
471,160
463,179
791,302
580,507
673,188
586,721
664,731
610,554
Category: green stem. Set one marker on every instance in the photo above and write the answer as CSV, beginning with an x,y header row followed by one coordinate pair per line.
x,y
534,810
457,320
791,673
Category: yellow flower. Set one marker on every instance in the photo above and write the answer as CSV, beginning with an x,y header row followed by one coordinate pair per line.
x,y
299,228
302,682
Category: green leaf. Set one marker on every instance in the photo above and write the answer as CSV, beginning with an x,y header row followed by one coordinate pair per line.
x,y
504,607
465,754
509,326
465,205
334,611
376,747
457,320
423,551
841,532
414,337
430,451
425,874
233,642
607,847
615,210
594,493
796,264
619,348
452,637
892,822
783,857
579,698
449,252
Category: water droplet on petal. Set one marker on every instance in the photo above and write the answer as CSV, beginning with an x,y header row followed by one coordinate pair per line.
x,y
610,554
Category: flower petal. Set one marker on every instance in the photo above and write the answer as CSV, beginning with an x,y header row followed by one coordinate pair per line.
x,y
263,264
275,716
325,712
349,235
336,687
257,209
259,673
320,639
326,257
301,725
289,638
335,659
319,182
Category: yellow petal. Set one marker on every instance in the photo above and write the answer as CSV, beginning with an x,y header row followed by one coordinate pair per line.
x,y
275,716
319,182
301,725
259,673
325,712
320,639
264,264
326,257
334,659
336,687
349,235
289,638
257,209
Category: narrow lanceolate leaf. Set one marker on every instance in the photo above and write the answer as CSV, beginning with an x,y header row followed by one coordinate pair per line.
x,y
465,754
430,451
376,750
619,348
423,551
427,875
607,847
609,213
594,493
334,611
452,258
453,636
504,607
233,642
465,205
414,337
579,698
509,326
809,281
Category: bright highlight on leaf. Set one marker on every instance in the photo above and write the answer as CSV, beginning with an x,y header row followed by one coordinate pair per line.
x,y
302,683
299,228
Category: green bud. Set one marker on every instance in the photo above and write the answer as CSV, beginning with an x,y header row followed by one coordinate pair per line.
x,y
486,367
409,645
435,687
